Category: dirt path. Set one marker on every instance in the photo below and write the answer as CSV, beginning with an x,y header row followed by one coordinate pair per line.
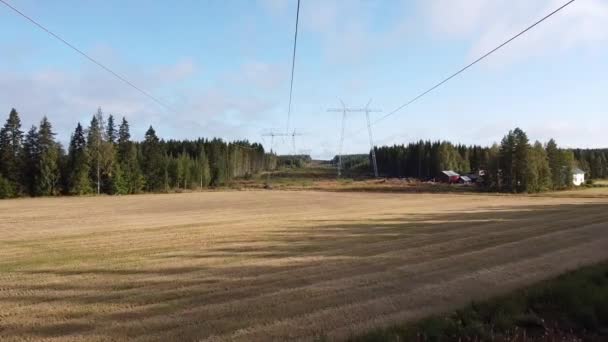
x,y
272,265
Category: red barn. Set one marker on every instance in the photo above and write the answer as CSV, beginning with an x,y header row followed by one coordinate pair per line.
x,y
449,177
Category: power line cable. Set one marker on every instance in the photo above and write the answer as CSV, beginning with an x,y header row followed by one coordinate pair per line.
x,y
121,78
293,64
470,64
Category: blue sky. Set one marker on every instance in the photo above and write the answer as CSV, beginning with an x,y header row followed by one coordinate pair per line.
x,y
223,66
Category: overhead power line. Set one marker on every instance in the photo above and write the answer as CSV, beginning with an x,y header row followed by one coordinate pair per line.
x,y
470,64
293,65
116,75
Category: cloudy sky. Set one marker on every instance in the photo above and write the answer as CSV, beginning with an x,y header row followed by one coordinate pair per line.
x,y
224,67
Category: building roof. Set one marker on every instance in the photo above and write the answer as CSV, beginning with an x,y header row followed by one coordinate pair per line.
x,y
465,178
450,173
577,171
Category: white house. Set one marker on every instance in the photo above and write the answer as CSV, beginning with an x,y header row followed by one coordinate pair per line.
x,y
578,177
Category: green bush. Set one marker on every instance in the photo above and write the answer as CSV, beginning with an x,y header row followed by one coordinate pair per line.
x,y
575,302
6,188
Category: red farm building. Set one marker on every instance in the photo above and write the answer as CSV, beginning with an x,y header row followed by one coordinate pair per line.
x,y
448,177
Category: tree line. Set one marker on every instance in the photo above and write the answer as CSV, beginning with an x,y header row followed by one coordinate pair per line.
x,y
514,165
593,161
102,158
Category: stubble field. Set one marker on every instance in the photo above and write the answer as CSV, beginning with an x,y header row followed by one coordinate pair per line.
x,y
274,265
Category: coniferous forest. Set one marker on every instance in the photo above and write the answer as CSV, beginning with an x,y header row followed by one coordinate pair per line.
x,y
102,158
514,165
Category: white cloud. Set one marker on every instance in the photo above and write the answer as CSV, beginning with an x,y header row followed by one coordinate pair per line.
x,y
487,23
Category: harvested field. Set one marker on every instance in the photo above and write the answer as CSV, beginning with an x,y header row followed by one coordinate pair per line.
x,y
272,265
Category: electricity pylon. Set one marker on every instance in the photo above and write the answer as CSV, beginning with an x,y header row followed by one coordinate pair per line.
x,y
371,139
272,134
293,140
341,142
365,110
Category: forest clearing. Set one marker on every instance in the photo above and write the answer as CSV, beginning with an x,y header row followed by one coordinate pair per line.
x,y
264,265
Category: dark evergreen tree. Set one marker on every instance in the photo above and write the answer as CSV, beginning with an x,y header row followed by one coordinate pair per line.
x,y
124,139
94,148
567,165
11,138
30,157
128,160
506,165
538,173
203,169
111,130
47,178
493,178
78,161
555,159
521,161
153,162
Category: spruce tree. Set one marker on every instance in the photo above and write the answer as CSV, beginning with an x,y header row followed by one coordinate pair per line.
x,y
11,138
120,185
124,140
128,161
78,161
29,160
153,162
94,142
111,130
6,188
47,178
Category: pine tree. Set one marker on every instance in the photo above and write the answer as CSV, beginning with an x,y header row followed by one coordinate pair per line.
x,y
78,161
521,161
47,178
11,138
506,165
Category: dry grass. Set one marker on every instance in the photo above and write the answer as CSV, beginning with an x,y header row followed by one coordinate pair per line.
x,y
272,265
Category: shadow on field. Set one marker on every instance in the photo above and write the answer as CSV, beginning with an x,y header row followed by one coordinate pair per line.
x,y
277,274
